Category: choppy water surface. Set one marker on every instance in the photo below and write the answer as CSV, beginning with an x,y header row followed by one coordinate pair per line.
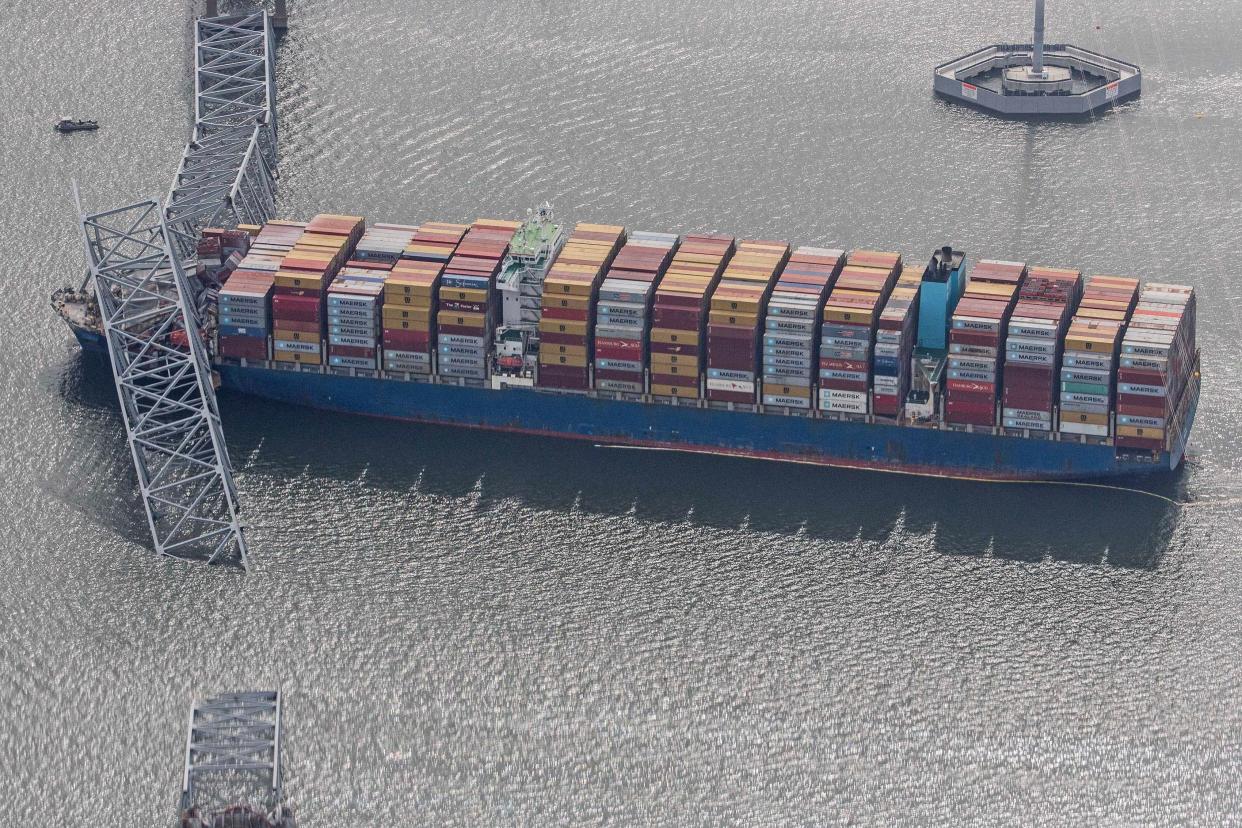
x,y
478,629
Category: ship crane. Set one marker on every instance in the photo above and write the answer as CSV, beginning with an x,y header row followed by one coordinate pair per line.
x,y
141,259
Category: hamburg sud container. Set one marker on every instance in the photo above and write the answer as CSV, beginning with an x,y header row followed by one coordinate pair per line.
x,y
244,315
566,319
1157,358
848,332
738,303
411,294
678,313
895,337
1033,339
1089,355
354,302
791,325
298,300
467,310
623,310
977,332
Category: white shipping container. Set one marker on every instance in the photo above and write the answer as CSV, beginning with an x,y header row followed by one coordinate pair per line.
x,y
736,386
1084,428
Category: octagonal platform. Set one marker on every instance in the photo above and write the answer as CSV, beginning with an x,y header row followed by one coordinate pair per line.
x,y
1075,81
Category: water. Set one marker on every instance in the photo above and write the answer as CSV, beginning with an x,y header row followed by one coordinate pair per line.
x,y
493,630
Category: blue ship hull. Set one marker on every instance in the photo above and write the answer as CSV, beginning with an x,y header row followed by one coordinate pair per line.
x,y
881,447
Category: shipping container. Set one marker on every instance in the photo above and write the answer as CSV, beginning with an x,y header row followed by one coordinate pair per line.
x,y
568,308
623,310
1047,298
736,312
679,309
850,318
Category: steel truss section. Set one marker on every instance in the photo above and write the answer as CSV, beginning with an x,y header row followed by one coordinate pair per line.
x,y
228,170
232,762
159,363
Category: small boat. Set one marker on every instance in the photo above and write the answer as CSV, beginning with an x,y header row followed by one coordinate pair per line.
x,y
74,125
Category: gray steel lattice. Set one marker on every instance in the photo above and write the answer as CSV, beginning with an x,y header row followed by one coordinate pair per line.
x,y
232,755
159,363
228,170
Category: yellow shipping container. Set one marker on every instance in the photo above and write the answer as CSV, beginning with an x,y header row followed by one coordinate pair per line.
x,y
570,360
687,364
574,302
1140,431
563,287
562,350
1090,342
398,313
394,289
408,301
465,320
732,301
296,356
801,391
1084,418
463,294
563,326
661,390
737,320
299,280
849,316
674,336
294,336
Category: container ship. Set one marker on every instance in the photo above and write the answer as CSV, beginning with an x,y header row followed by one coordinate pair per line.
x,y
704,342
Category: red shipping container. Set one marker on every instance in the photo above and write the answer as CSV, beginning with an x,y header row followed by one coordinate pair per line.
x,y
1141,406
730,396
980,338
561,338
629,346
463,307
690,381
844,364
243,347
845,385
574,314
407,340
1139,443
300,293
674,348
614,374
612,352
972,398
295,325
1141,377
351,351
676,318
460,330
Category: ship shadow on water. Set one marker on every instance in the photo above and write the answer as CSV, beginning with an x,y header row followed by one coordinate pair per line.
x,y
1016,522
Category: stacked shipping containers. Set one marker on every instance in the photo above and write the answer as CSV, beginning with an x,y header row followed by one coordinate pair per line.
x,y
848,332
354,302
977,332
411,295
895,337
791,324
244,314
1089,355
1046,299
466,318
623,309
383,244
738,304
1157,358
570,289
678,313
